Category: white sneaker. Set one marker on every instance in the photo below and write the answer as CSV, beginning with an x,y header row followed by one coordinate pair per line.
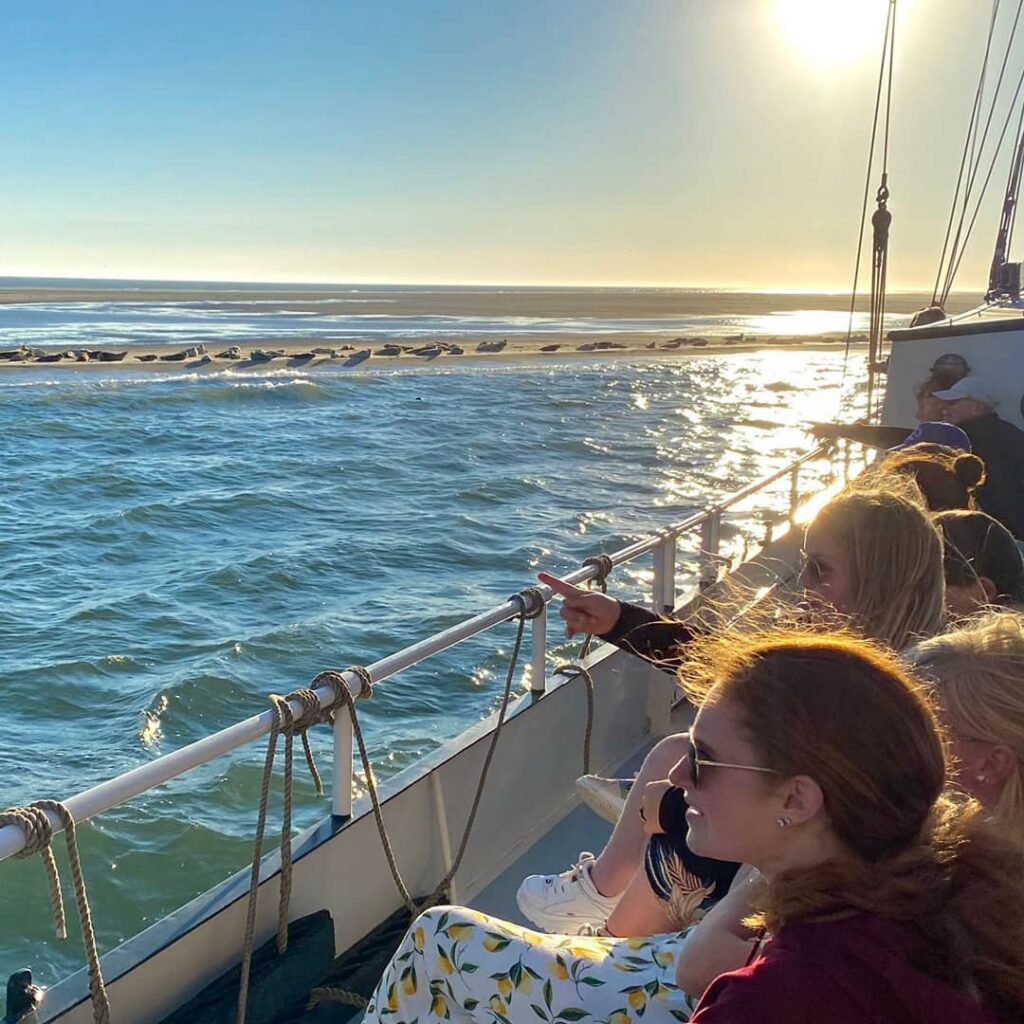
x,y
562,903
605,797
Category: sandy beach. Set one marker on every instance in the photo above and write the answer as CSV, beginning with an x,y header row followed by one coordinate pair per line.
x,y
543,323
268,353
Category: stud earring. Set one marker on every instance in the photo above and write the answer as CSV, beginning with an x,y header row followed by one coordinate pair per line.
x,y
783,822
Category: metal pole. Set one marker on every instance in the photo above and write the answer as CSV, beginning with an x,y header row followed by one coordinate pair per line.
x,y
794,492
539,658
709,539
668,575
341,791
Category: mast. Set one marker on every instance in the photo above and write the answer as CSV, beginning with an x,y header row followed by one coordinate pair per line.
x,y
1003,277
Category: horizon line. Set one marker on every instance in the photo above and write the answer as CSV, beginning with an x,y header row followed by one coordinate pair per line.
x,y
565,285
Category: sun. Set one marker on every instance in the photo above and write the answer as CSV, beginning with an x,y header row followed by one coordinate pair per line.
x,y
832,33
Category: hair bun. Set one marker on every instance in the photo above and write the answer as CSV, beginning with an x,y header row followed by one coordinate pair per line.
x,y
969,470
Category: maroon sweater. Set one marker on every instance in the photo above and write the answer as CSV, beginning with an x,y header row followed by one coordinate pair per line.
x,y
853,971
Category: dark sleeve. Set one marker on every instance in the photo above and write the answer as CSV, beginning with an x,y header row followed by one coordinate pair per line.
x,y
649,636
871,434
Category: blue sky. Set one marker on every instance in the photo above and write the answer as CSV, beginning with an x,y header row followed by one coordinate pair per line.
x,y
567,141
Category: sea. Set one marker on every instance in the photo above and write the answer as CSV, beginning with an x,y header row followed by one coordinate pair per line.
x,y
173,547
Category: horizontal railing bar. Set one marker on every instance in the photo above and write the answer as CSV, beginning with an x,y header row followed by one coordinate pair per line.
x,y
116,791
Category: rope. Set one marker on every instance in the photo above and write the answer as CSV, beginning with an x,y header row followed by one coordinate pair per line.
x,y
959,247
603,566
889,28
35,823
531,603
284,721
572,671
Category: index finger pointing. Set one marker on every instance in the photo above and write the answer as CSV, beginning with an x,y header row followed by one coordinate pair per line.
x,y
559,586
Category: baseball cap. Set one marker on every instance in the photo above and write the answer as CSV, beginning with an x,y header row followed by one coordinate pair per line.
x,y
934,432
968,387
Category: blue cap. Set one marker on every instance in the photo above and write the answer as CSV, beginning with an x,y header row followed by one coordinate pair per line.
x,y
936,433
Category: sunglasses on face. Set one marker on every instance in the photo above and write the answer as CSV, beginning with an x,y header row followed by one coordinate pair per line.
x,y
695,763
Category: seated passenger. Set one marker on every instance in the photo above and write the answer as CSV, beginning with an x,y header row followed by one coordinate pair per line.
x,y
873,557
970,405
978,674
977,677
982,563
818,760
948,477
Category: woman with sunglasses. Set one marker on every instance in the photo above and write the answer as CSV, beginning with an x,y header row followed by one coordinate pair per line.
x,y
872,560
819,761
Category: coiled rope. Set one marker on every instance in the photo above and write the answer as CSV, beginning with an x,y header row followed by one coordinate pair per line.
x,y
35,823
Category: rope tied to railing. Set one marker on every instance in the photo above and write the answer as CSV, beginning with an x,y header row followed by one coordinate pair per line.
x,y
38,829
286,722
531,605
603,566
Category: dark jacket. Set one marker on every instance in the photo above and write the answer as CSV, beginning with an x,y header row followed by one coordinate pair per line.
x,y
853,971
1001,446
649,636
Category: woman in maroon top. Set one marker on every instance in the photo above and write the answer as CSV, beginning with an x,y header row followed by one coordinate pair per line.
x,y
819,761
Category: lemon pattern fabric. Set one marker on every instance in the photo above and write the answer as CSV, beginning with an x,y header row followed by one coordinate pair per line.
x,y
456,964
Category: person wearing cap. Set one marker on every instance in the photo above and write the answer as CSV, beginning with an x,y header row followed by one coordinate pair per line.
x,y
971,406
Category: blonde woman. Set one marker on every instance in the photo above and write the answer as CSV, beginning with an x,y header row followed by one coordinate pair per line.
x,y
978,674
873,559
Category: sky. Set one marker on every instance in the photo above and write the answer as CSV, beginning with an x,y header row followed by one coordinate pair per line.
x,y
699,143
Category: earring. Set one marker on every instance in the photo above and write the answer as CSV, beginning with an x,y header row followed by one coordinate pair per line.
x,y
783,822
981,778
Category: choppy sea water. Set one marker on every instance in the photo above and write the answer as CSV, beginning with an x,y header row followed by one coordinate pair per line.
x,y
174,548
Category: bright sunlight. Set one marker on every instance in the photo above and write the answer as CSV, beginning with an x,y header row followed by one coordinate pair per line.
x,y
832,33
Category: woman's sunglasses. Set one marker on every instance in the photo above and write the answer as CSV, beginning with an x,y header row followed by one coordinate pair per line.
x,y
695,763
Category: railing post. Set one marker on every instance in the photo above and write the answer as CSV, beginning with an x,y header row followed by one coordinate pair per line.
x,y
710,530
666,556
658,588
539,657
794,492
341,789
846,460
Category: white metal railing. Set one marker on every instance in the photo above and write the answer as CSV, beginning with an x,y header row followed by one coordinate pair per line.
x,y
662,544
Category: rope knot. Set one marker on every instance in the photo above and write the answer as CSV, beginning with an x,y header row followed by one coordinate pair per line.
x,y
531,602
603,566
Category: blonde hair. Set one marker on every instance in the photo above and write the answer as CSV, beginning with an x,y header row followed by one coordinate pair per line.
x,y
894,554
978,673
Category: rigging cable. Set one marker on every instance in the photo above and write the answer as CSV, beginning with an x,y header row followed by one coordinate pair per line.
x,y
881,219
988,178
889,18
956,253
972,127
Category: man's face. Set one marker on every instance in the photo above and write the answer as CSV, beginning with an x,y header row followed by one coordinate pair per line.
x,y
962,410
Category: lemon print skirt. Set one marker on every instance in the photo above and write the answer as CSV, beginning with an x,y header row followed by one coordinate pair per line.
x,y
456,964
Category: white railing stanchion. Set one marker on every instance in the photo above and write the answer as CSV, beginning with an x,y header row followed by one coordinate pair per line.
x,y
658,585
539,657
794,492
710,531
341,788
668,574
